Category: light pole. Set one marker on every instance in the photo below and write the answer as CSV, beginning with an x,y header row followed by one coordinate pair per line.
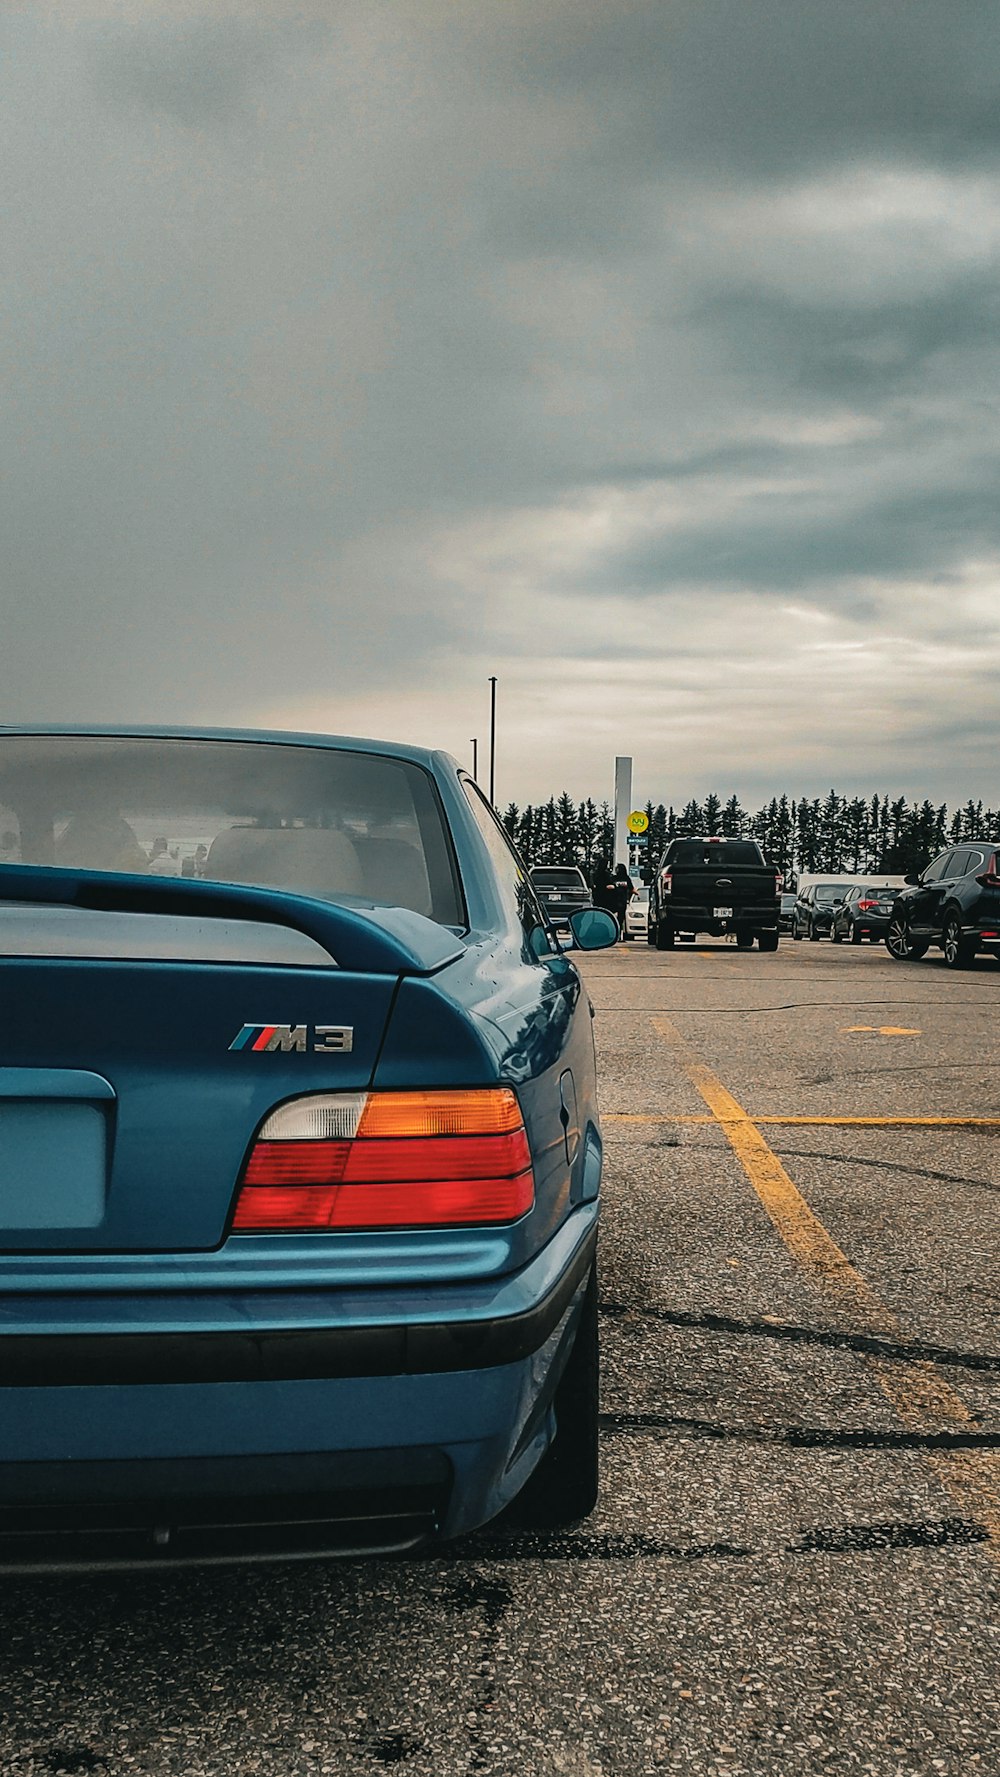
x,y
475,758
493,739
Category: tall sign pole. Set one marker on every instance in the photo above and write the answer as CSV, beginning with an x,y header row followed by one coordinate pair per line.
x,y
623,807
493,740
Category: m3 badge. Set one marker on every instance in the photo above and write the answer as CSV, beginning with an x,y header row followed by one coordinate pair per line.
x,y
290,1039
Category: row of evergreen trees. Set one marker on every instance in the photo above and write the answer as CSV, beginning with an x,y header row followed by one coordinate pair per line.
x,y
841,834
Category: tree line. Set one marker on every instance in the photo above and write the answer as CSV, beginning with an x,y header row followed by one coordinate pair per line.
x,y
845,835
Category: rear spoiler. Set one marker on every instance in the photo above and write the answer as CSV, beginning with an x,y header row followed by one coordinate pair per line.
x,y
372,941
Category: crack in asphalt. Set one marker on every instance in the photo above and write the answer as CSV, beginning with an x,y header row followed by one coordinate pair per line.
x,y
943,1178
843,1539
870,1344
800,1437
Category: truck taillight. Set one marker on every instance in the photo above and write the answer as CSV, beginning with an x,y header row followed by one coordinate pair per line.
x,y
388,1160
666,881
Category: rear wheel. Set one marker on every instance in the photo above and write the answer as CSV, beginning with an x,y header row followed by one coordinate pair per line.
x,y
855,935
796,934
564,1486
901,944
767,940
664,936
744,940
813,933
959,951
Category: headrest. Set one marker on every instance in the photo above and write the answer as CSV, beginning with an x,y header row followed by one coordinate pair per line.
x,y
313,860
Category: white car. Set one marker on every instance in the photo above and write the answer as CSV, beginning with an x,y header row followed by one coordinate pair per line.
x,y
637,914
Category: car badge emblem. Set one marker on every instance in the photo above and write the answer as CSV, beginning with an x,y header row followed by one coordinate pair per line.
x,y
291,1039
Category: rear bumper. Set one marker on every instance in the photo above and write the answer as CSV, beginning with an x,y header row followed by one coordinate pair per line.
x,y
686,917
283,1442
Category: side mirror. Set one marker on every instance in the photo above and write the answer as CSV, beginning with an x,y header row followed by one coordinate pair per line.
x,y
911,880
593,928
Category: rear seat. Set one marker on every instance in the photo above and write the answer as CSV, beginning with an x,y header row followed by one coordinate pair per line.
x,y
313,860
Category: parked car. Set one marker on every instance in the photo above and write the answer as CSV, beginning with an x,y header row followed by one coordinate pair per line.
x,y
637,915
954,903
715,885
815,906
561,890
300,1160
786,909
864,913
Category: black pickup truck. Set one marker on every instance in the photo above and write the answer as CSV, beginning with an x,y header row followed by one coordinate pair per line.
x,y
718,886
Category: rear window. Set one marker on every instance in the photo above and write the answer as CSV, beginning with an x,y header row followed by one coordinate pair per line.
x,y
831,891
710,855
345,826
554,878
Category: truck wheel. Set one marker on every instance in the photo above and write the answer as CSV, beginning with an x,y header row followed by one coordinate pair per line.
x,y
767,940
744,940
564,1486
664,936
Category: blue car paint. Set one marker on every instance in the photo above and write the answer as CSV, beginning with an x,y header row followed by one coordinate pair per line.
x,y
486,1009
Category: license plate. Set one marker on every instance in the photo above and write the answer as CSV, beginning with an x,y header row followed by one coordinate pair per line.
x,y
722,912
555,897
52,1165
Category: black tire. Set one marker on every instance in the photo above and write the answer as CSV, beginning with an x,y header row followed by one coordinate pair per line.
x,y
744,940
564,1486
767,940
855,935
796,934
959,952
813,933
901,945
836,935
664,936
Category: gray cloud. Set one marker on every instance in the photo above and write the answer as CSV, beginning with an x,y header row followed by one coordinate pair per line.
x,y
355,353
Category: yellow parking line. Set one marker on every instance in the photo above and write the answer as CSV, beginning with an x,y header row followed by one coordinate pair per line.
x,y
816,1122
919,1394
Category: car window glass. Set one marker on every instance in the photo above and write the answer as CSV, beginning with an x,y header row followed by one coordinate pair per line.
x,y
936,870
327,821
959,863
514,881
693,854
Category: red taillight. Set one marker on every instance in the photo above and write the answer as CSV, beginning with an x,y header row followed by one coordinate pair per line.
x,y
666,882
991,875
388,1160
866,906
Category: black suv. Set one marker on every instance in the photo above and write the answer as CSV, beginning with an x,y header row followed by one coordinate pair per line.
x,y
955,903
865,912
815,908
562,890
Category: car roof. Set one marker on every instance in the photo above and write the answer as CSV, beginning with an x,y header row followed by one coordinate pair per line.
x,y
426,756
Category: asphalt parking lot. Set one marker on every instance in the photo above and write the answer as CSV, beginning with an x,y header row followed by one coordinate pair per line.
x,y
795,1565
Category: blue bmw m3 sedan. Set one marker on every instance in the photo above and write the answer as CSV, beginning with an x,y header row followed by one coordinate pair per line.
x,y
299,1155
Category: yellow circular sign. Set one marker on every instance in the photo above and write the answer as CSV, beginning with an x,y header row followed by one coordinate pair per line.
x,y
637,821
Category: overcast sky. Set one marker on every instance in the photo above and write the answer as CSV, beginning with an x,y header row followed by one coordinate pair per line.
x,y
645,355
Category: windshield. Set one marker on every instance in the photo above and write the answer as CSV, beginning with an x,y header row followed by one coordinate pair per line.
x,y
545,877
714,854
325,821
